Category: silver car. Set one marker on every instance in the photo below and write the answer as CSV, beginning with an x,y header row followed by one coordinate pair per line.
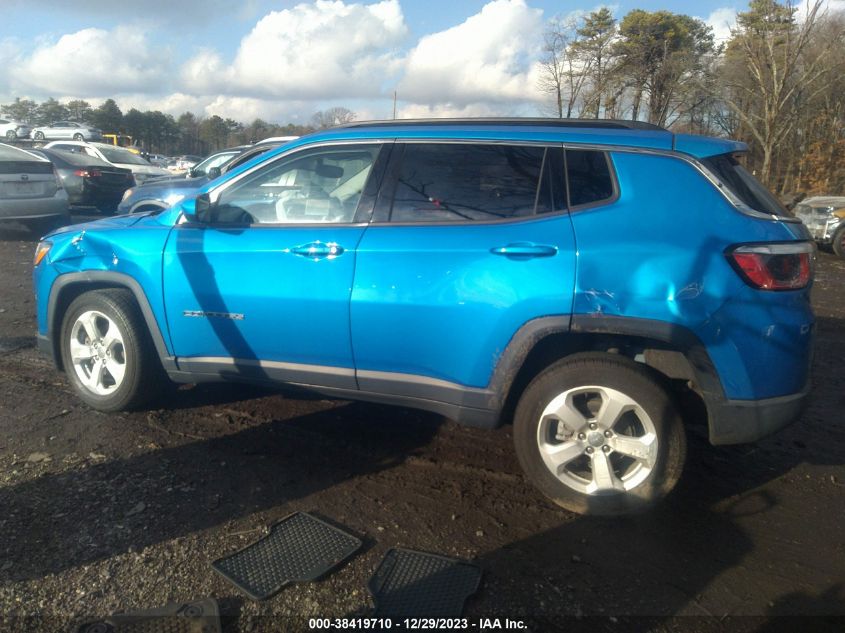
x,y
824,217
30,191
67,130
11,130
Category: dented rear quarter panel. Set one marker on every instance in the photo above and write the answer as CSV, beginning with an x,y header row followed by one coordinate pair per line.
x,y
658,253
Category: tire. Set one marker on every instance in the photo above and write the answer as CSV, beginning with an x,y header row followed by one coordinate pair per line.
x,y
579,454
39,136
11,135
838,242
78,137
121,371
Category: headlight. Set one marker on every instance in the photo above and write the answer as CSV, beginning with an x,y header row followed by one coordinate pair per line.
x,y
41,252
127,193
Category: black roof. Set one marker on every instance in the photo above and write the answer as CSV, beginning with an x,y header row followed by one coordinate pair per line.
x,y
616,124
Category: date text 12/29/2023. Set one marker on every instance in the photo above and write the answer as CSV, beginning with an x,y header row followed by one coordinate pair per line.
x,y
415,624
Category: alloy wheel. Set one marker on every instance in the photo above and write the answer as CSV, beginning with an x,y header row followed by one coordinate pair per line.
x,y
98,352
597,440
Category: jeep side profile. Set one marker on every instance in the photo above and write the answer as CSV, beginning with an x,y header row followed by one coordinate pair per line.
x,y
591,281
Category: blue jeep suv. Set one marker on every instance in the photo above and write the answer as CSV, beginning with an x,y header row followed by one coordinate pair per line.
x,y
594,282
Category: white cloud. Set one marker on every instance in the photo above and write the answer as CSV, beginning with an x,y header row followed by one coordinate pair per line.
x,y
92,62
295,61
449,110
311,51
486,58
721,20
828,6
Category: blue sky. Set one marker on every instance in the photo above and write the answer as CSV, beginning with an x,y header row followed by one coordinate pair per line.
x,y
282,59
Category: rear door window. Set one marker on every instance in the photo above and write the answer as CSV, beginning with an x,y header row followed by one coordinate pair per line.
x,y
743,185
442,182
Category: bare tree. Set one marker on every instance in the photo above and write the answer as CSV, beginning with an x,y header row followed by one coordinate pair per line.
x,y
770,67
562,72
331,117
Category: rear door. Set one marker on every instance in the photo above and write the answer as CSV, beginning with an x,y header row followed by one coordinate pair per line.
x,y
469,242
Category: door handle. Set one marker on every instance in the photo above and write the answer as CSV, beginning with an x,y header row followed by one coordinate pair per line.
x,y
525,250
318,250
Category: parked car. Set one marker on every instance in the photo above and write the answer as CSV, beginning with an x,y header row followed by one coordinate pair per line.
x,y
117,156
182,164
824,217
89,181
12,130
159,160
67,130
486,270
30,191
160,193
277,140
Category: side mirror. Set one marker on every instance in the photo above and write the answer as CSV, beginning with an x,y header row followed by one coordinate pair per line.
x,y
200,209
204,209
213,173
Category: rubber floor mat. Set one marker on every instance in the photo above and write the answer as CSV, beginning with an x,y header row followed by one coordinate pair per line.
x,y
416,584
200,616
299,548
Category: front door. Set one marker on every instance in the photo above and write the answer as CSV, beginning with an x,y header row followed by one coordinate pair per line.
x,y
263,290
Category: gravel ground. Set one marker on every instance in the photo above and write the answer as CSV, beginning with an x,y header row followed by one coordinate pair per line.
x,y
101,513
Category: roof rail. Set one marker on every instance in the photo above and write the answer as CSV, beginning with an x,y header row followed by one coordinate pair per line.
x,y
614,124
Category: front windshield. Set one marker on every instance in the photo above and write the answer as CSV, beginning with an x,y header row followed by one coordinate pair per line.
x,y
117,155
217,160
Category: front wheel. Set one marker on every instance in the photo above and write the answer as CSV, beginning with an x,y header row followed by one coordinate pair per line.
x,y
107,352
598,434
839,242
39,136
11,135
78,137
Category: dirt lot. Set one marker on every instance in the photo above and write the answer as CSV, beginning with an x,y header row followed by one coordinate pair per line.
x,y
101,513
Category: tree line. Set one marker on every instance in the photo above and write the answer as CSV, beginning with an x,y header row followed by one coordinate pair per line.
x,y
777,82
163,133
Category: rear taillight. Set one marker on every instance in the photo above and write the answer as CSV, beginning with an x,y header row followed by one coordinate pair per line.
x,y
88,173
783,266
58,179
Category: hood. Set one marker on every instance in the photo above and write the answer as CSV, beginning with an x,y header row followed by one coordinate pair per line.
x,y
825,201
144,169
172,182
117,222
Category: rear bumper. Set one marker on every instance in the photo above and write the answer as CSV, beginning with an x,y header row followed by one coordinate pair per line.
x,y
744,421
34,207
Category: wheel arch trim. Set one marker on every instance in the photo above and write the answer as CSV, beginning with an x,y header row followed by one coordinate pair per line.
x,y
102,279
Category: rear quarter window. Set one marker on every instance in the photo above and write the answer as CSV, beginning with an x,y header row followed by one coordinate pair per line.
x,y
743,185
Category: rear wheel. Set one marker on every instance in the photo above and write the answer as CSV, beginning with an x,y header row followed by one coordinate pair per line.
x,y
599,434
839,242
78,137
107,352
11,135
